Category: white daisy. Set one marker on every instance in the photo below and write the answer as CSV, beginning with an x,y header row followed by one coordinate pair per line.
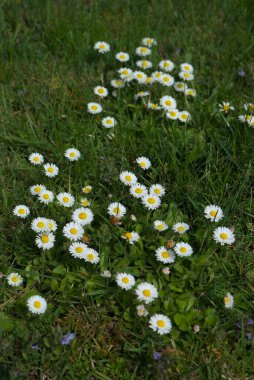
x,y
251,122
72,154
138,191
226,107
181,228
125,281
164,255
166,80
187,67
37,304
94,108
122,57
214,213
85,202
144,162
82,216
40,224
51,170
144,64
180,86
52,225
91,256
156,75
36,158
131,237
140,76
65,199
184,116
77,250
117,83
108,122
153,106
87,189
157,190
167,102
148,41
183,249
116,209
223,235
143,51
125,72
21,211
160,225
141,94
146,292
73,231
160,323
190,92
46,196
151,201
186,75
249,106
102,47
100,91
166,65
228,301
149,81
36,189
128,178
45,240
172,114
242,118
14,279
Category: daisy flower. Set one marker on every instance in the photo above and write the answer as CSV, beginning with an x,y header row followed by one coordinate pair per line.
x,y
166,80
46,196
45,240
223,235
166,65
108,122
151,201
190,92
128,178
144,162
186,75
141,311
82,216
251,122
138,191
148,41
102,47
65,199
37,304
140,76
36,158
50,170
180,86
77,250
116,209
141,94
184,116
131,237
157,190
14,279
187,67
125,281
149,80
183,249
226,107
122,57
87,189
21,211
153,106
144,64
125,72
91,256
73,231
181,228
101,91
52,225
117,83
85,202
214,213
228,301
160,225
167,102
156,75
146,292
37,189
143,51
40,225
172,114
249,106
242,118
160,323
164,255
72,154
94,108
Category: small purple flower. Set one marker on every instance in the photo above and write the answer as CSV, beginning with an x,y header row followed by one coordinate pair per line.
x,y
249,322
35,346
241,73
156,355
249,336
67,338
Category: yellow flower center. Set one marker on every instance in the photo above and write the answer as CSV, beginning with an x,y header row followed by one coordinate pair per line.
x,y
143,50
125,280
122,56
14,278
186,75
21,211
94,107
37,189
73,231
85,202
166,64
213,213
90,256
82,215
168,102
142,164
128,235
184,116
40,224
79,249
160,323
165,254
186,67
50,169
45,239
160,227
183,249
224,236
100,90
226,107
149,41
173,113
128,178
73,154
157,191
181,228
118,82
138,190
146,293
116,210
125,72
45,196
151,200
37,304
166,79
66,199
102,46
145,63
36,159
158,75
251,107
226,300
180,85
109,121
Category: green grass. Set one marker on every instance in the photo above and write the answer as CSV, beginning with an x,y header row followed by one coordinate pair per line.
x,y
48,69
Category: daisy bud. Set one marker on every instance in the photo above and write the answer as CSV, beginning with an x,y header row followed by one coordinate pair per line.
x,y
166,270
170,244
133,217
196,329
141,311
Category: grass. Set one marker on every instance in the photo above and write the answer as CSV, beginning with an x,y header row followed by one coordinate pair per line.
x,y
48,69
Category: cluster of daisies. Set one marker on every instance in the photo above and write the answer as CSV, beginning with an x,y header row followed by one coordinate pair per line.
x,y
247,118
146,78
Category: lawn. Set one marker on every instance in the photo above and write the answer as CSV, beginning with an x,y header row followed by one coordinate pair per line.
x,y
48,70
